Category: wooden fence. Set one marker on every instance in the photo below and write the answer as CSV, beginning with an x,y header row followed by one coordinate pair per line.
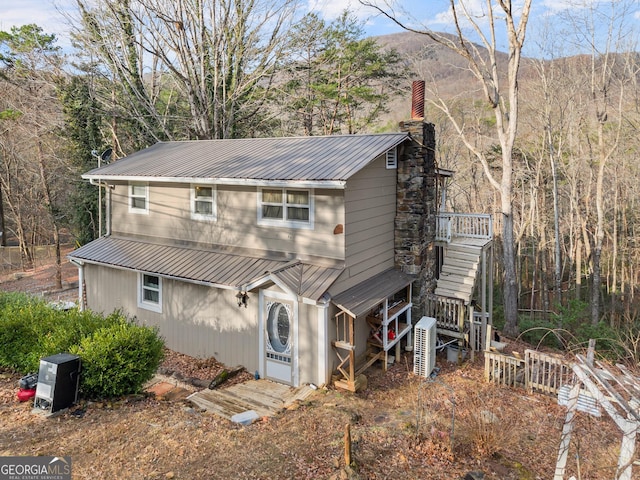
x,y
537,371
11,257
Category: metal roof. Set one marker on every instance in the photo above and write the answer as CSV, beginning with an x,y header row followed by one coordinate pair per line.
x,y
319,159
365,296
219,269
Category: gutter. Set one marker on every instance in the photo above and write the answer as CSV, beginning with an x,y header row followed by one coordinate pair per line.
x,y
81,283
328,184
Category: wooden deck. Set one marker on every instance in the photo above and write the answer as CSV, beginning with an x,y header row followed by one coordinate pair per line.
x,y
264,397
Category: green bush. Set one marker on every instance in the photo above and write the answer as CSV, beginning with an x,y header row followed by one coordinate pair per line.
x,y
117,355
22,320
118,359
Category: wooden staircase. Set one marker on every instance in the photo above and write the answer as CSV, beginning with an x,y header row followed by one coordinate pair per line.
x,y
459,272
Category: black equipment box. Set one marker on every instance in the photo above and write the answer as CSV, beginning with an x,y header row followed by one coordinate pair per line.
x,y
58,381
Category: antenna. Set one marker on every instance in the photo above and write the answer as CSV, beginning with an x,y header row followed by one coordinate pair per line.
x,y
106,155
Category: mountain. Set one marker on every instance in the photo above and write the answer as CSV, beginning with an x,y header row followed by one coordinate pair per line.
x,y
443,70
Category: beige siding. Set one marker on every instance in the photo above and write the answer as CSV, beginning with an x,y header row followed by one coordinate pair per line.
x,y
370,207
308,344
237,222
196,320
202,321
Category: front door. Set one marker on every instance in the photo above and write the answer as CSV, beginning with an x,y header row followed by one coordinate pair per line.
x,y
279,323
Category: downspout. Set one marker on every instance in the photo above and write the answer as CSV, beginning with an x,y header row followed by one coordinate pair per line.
x,y
324,345
108,211
107,188
81,284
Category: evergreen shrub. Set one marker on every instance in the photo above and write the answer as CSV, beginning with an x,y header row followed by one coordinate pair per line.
x,y
118,356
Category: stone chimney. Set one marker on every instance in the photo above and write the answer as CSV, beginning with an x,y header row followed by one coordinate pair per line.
x,y
416,203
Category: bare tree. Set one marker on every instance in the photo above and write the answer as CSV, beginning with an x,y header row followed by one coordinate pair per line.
x,y
214,57
499,83
30,116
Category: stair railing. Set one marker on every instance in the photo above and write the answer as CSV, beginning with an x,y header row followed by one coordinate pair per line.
x,y
470,225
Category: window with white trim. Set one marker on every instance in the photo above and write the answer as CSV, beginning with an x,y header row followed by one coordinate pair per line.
x,y
138,198
391,159
285,207
150,292
203,202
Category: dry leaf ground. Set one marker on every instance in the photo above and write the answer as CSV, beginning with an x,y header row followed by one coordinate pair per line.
x,y
402,427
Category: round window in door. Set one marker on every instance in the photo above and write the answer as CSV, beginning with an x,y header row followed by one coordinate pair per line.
x,y
279,332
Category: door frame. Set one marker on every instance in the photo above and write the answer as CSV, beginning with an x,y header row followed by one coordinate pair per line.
x,y
264,296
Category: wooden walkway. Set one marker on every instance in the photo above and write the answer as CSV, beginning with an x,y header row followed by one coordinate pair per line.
x,y
264,397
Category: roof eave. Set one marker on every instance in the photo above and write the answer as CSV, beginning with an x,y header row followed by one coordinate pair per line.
x,y
163,275
253,182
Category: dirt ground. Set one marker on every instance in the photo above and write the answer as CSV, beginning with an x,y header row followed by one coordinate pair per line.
x,y
401,426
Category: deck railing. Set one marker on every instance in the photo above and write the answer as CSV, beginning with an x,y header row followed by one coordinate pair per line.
x,y
470,225
537,371
448,312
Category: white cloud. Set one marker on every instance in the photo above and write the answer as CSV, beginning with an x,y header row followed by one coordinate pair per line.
x,y
475,9
332,9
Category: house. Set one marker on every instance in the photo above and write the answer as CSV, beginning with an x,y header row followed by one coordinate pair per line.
x,y
294,257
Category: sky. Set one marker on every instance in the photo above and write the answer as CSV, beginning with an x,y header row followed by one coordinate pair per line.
x,y
433,14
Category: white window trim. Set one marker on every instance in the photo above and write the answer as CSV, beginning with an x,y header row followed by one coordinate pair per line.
x,y
391,159
285,222
145,304
214,211
132,209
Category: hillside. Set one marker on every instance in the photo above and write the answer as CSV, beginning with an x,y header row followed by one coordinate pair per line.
x,y
443,70
402,427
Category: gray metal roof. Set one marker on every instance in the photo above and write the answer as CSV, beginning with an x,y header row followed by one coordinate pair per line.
x,y
365,296
326,158
220,269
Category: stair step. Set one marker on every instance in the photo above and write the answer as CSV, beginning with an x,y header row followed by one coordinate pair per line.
x,y
455,286
463,256
458,270
454,294
473,250
455,277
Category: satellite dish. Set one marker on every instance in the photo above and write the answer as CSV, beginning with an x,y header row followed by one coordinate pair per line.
x,y
106,155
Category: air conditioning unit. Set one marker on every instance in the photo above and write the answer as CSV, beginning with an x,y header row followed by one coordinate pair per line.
x,y
424,352
58,381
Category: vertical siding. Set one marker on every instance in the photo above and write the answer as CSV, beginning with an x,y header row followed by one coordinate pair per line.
x,y
370,208
195,320
169,217
308,355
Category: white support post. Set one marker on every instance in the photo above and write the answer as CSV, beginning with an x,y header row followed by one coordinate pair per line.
x,y
567,430
627,451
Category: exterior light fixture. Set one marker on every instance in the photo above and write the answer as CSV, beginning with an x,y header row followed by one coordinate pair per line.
x,y
242,298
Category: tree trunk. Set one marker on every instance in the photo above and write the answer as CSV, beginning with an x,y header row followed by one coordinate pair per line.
x,y
50,208
510,278
3,232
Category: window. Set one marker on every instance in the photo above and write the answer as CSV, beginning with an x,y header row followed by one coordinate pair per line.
x,y
138,198
203,202
279,332
392,159
279,328
286,207
150,292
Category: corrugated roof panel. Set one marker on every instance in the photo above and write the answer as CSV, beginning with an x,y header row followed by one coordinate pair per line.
x,y
204,266
363,297
335,157
310,281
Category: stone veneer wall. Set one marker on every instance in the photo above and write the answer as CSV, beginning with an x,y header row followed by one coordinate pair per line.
x,y
416,205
